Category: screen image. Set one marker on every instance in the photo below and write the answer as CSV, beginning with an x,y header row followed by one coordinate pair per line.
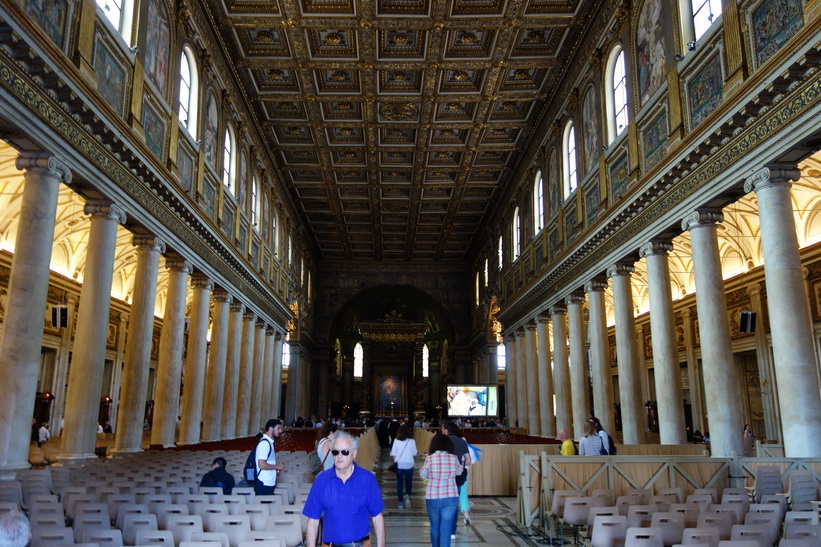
x,y
473,400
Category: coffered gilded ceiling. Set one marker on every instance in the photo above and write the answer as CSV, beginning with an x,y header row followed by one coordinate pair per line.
x,y
397,124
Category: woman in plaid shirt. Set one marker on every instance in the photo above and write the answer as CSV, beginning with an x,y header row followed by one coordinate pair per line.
x,y
441,495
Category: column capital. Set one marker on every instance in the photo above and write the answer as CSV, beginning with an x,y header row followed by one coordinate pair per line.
x,y
574,299
249,316
701,218
655,247
202,282
237,306
520,333
772,174
178,264
260,324
620,269
221,295
269,331
278,336
685,313
558,309
510,337
42,160
595,285
754,289
105,209
531,326
153,243
542,319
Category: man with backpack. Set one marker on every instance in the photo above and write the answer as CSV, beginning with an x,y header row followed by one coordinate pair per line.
x,y
266,459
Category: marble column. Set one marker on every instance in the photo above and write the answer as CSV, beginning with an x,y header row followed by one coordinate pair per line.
x,y
291,407
254,424
532,381
521,379
88,358
600,356
228,429
722,380
113,388
194,375
627,357
511,393
215,374
22,333
766,368
561,369
129,436
796,364
61,369
547,419
169,366
665,351
694,371
579,378
267,377
276,395
246,374
305,374
491,364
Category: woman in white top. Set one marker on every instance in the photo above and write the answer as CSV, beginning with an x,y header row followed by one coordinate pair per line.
x,y
323,444
403,452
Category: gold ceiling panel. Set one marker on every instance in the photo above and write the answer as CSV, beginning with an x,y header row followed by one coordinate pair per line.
x,y
398,119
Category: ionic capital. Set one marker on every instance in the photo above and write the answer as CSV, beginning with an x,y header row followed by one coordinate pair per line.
x,y
44,161
702,218
531,327
558,309
511,338
249,316
773,174
542,319
754,289
105,209
178,265
202,283
237,306
278,337
520,333
574,299
655,247
149,243
221,295
269,331
260,324
595,285
620,269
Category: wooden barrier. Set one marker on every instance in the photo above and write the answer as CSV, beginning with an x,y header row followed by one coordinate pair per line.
x,y
368,449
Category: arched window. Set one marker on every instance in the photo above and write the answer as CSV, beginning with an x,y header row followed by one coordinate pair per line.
x,y
705,12
500,356
256,203
290,250
228,170
617,117
570,167
538,203
286,353
487,272
477,288
358,360
516,234
425,361
189,91
275,233
501,253
120,13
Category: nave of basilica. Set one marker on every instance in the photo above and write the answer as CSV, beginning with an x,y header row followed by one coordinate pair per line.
x,y
214,212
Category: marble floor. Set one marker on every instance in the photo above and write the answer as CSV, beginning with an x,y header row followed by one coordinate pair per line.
x,y
493,519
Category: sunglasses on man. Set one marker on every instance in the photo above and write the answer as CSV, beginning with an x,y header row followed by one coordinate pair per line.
x,y
344,452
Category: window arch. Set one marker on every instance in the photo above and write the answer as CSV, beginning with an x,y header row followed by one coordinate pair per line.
x,y
501,253
516,234
228,160
538,203
478,284
425,361
617,115
569,164
275,233
256,200
286,353
487,272
704,14
120,14
358,360
500,356
189,91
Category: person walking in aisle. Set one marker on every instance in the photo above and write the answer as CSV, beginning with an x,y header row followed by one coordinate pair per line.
x,y
403,451
441,495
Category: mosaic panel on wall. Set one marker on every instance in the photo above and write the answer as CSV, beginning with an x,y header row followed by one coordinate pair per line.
x,y
705,91
618,177
185,163
242,180
209,197
553,243
655,141
553,183
228,220
651,57
111,76
773,23
51,17
157,45
154,127
242,236
210,126
570,221
592,201
590,128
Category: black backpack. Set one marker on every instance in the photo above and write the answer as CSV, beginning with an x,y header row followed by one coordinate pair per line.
x,y
249,470
612,444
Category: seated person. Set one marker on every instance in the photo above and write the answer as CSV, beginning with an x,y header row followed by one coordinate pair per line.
x,y
218,476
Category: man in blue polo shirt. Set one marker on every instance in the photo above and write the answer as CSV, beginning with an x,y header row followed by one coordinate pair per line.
x,y
347,496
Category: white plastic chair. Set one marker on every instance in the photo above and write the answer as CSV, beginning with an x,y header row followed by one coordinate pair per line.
x,y
162,538
707,535
755,532
236,526
182,526
608,531
643,537
134,522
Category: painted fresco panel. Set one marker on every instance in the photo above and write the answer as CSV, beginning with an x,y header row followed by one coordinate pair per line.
x,y
228,220
553,243
209,197
651,57
553,183
592,200
111,76
185,163
705,91
51,17
210,126
154,127
618,177
774,22
655,141
242,179
242,236
590,126
157,45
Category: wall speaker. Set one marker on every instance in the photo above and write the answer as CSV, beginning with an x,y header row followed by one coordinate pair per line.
x,y
746,323
59,317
